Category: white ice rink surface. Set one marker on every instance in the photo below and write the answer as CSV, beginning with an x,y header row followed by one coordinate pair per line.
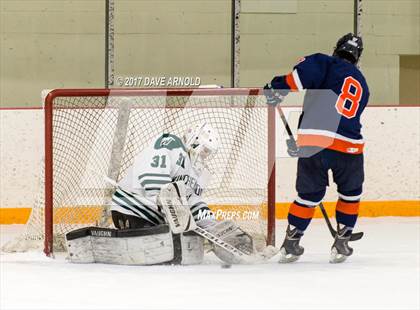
x,y
382,274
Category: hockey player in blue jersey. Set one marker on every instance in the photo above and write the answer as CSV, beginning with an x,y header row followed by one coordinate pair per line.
x,y
329,138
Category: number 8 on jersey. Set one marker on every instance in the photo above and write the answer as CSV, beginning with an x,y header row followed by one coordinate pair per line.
x,y
349,98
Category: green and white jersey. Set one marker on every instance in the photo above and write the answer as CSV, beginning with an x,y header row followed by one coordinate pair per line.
x,y
164,160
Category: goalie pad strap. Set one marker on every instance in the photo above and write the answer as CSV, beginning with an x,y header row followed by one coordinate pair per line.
x,y
114,233
176,239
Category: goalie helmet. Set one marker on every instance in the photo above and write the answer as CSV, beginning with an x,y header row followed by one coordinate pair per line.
x,y
349,47
202,142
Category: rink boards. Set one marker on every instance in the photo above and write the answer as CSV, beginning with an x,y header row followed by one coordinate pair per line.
x,y
392,164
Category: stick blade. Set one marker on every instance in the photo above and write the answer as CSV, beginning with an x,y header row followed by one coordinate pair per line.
x,y
356,236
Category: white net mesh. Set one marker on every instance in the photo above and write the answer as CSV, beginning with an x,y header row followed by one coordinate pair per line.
x,y
96,136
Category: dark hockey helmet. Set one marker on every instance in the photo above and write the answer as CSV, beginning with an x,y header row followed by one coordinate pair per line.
x,y
349,47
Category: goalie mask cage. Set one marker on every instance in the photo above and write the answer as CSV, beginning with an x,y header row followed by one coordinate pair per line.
x,y
93,133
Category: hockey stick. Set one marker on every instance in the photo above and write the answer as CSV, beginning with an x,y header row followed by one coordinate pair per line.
x,y
269,252
354,236
285,123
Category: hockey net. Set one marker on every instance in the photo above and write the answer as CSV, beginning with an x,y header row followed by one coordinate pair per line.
x,y
90,134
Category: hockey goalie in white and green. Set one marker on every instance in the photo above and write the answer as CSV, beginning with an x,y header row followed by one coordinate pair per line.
x,y
167,159
170,173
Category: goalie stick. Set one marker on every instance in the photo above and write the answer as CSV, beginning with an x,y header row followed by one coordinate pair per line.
x,y
265,255
354,236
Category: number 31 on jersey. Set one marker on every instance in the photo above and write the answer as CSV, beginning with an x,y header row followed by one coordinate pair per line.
x,y
349,99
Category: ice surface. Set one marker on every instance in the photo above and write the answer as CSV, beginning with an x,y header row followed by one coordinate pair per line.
x,y
382,274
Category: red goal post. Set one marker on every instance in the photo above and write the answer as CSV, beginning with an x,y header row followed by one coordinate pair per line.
x,y
201,101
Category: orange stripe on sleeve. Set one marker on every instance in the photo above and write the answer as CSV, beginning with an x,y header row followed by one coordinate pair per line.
x,y
350,208
291,82
302,212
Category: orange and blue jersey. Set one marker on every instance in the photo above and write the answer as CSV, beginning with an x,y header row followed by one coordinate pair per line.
x,y
337,94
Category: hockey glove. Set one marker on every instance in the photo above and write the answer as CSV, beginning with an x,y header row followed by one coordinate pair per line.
x,y
273,96
292,148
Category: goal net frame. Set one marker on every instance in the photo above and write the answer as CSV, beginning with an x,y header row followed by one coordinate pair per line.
x,y
169,92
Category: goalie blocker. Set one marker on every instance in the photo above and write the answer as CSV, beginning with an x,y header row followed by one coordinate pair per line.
x,y
142,246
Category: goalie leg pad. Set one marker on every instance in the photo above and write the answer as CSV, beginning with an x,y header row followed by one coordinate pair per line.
x,y
192,248
80,250
145,246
